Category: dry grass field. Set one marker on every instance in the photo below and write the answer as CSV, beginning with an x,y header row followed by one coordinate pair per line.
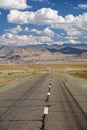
x,y
12,74
78,69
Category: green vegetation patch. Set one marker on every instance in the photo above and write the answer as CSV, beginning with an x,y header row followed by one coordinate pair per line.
x,y
81,80
18,79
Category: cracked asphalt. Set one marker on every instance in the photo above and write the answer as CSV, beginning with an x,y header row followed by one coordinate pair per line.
x,y
21,108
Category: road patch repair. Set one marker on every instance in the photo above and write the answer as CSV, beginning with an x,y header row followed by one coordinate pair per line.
x,y
46,108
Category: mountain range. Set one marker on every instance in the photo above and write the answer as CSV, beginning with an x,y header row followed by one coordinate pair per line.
x,y
43,53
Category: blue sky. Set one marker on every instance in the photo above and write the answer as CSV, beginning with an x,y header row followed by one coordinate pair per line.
x,y
25,22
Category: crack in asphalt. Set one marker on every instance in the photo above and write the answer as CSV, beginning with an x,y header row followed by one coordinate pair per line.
x,y
35,84
46,100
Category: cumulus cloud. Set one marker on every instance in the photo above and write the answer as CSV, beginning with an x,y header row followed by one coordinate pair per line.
x,y
72,41
26,29
15,39
69,18
47,31
82,6
74,26
13,4
59,42
47,16
21,17
44,16
9,38
36,31
15,30
44,39
71,29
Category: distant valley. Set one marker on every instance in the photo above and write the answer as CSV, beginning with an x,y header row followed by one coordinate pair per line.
x,y
43,53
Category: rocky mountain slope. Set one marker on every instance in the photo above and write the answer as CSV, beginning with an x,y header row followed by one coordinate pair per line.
x,y
36,53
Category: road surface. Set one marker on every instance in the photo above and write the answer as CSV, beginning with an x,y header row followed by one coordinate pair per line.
x,y
46,102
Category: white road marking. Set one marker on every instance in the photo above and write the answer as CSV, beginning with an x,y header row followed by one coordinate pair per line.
x,y
48,93
49,86
45,112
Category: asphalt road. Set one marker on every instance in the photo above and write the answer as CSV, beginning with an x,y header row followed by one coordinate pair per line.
x,y
22,107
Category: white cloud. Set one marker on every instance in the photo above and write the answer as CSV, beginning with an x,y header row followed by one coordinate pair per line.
x,y
47,16
21,17
44,16
9,39
44,39
14,30
13,4
74,26
15,39
72,41
82,6
8,35
59,43
36,31
26,29
69,18
47,31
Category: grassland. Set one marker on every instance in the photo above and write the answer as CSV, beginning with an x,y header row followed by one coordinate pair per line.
x,y
13,74
77,69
